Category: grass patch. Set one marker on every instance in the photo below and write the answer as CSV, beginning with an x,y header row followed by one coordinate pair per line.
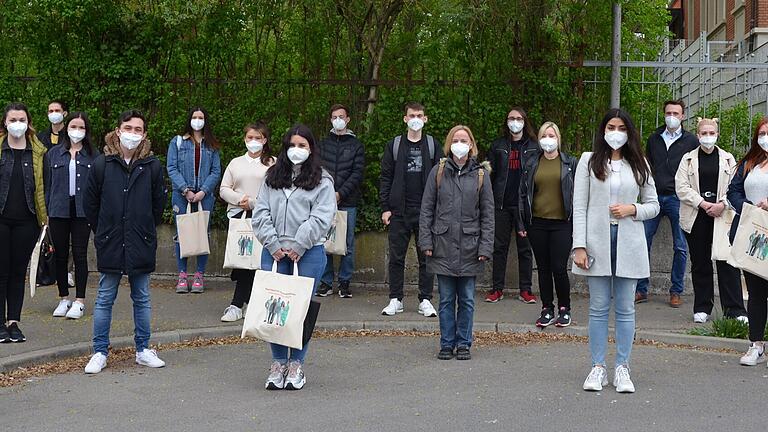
x,y
723,327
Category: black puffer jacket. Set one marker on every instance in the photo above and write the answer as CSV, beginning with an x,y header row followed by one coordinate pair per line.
x,y
567,175
344,158
498,156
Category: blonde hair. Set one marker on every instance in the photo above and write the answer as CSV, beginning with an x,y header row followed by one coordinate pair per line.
x,y
553,126
449,139
707,122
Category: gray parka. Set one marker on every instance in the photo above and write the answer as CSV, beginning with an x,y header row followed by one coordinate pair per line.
x,y
457,221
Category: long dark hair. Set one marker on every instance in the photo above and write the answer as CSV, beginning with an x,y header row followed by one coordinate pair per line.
x,y
262,128
630,151
87,146
528,130
18,106
756,155
210,139
280,175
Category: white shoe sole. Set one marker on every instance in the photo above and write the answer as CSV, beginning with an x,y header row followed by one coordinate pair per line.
x,y
299,386
155,366
431,314
60,314
74,317
759,360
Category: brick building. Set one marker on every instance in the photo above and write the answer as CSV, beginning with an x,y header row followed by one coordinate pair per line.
x,y
723,20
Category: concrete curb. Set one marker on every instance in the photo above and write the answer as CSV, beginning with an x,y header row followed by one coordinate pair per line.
x,y
10,363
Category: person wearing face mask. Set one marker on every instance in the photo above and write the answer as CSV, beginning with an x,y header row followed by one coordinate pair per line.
x,y
57,112
240,186
344,158
292,217
405,168
194,166
123,202
508,155
701,184
665,149
613,194
546,206
22,212
67,166
456,235
750,185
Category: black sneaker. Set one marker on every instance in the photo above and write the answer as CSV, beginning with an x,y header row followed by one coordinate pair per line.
x,y
324,290
344,291
547,317
563,317
445,354
5,337
15,334
462,353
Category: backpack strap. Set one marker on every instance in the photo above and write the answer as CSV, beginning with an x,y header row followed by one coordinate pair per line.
x,y
431,145
178,142
396,147
440,171
480,176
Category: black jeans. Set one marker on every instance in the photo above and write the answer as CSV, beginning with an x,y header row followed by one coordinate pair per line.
x,y
17,239
505,226
551,241
757,288
243,285
401,228
62,230
702,276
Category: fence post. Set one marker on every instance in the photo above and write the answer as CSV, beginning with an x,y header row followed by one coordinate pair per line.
x,y
616,57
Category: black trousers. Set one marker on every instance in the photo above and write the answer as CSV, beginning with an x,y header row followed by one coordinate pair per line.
x,y
76,229
17,239
401,228
505,226
243,285
757,304
551,241
702,276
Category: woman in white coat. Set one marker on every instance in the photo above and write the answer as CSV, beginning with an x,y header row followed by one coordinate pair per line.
x,y
613,193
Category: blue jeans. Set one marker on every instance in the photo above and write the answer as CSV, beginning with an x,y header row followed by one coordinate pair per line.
x,y
456,327
670,207
202,260
601,288
311,265
347,265
102,311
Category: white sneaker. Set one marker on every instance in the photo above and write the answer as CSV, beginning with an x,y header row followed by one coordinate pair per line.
x,y
597,378
754,355
622,381
71,279
232,313
62,308
426,309
700,317
148,357
394,306
295,378
97,362
743,319
76,311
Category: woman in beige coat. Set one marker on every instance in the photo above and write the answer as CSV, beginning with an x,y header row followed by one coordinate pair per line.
x,y
701,184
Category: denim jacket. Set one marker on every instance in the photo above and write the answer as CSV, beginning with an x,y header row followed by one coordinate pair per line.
x,y
181,167
56,163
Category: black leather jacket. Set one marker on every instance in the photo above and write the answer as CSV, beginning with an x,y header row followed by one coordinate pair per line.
x,y
498,156
567,175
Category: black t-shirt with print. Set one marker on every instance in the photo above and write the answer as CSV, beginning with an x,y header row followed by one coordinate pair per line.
x,y
414,187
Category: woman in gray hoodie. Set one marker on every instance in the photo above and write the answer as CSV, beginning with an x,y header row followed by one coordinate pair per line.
x,y
293,214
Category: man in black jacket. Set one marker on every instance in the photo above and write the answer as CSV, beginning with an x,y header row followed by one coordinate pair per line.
x,y
57,112
665,150
123,203
507,157
343,157
405,166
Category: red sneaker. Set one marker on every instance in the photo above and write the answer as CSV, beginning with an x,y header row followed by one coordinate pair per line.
x,y
527,297
494,296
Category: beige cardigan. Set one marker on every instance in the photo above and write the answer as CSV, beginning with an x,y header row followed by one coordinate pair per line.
x,y
243,176
687,184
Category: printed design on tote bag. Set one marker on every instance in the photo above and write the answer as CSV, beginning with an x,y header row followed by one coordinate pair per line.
x,y
278,308
245,245
758,245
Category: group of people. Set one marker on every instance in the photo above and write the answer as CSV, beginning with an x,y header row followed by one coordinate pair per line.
x,y
600,210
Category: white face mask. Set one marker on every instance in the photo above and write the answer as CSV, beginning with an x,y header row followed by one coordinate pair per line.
x,y
672,122
515,126
254,146
55,117
460,149
76,135
17,129
298,155
616,139
762,141
130,140
708,141
415,124
197,124
339,124
548,144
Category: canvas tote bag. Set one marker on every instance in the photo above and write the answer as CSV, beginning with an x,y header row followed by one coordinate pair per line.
x,y
336,244
721,244
192,229
750,246
278,306
243,251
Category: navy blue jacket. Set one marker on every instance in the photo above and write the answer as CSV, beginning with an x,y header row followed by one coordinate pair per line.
x,y
343,157
737,197
56,175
